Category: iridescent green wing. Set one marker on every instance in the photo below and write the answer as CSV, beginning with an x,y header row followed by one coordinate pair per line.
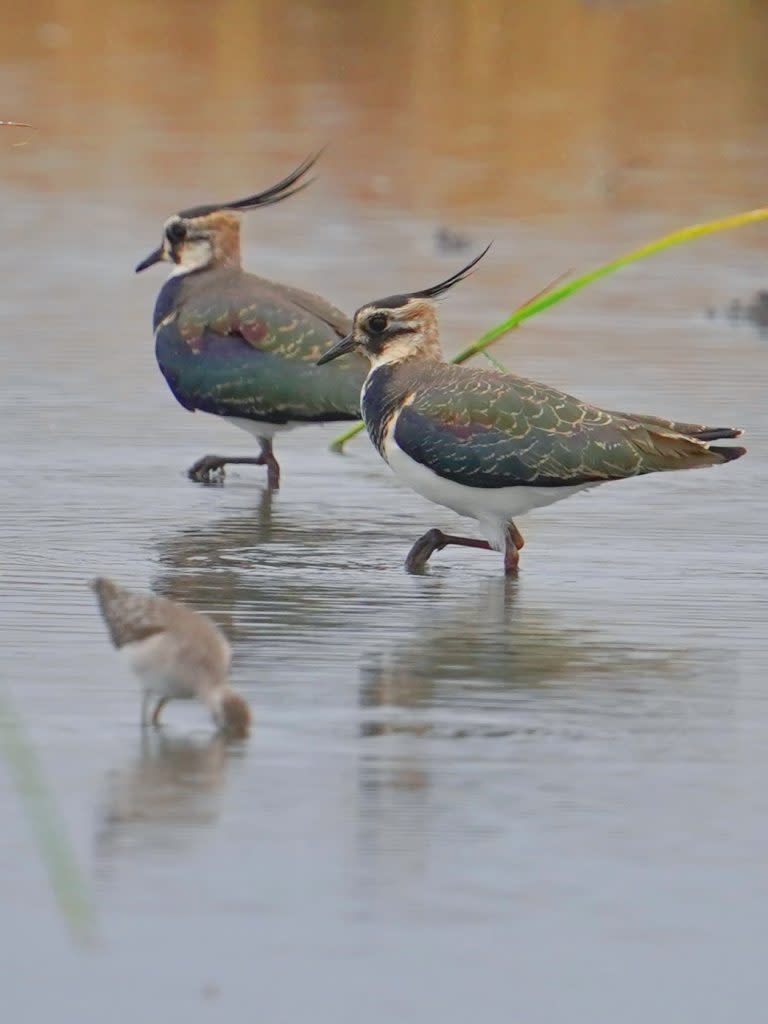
x,y
275,318
494,430
243,347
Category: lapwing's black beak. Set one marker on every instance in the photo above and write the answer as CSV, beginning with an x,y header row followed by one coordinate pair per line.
x,y
154,257
341,348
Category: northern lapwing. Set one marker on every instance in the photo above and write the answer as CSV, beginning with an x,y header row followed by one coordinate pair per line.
x,y
492,446
242,347
177,654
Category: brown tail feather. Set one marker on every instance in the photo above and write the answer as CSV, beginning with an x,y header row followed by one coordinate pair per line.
x,y
665,450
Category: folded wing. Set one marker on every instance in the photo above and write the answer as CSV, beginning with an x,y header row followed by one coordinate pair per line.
x,y
248,349
491,430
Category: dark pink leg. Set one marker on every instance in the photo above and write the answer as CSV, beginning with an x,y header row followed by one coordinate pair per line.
x,y
436,540
204,468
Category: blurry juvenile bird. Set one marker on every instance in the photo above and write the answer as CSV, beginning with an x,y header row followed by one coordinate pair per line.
x,y
177,654
242,347
493,446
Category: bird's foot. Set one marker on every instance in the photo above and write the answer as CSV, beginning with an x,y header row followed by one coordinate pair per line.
x,y
433,540
208,470
436,540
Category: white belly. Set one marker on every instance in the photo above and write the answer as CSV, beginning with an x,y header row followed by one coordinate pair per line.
x,y
155,660
492,507
258,428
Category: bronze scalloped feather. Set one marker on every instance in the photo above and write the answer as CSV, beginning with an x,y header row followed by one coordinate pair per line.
x,y
485,429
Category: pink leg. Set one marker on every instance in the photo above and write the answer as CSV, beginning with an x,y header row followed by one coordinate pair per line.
x,y
204,468
435,540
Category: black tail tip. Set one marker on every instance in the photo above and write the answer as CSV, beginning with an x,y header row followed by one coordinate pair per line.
x,y
728,454
718,433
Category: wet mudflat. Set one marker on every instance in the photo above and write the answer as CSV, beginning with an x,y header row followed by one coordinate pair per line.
x,y
540,799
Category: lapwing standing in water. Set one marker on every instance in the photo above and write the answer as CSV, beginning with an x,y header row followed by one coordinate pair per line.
x,y
493,446
241,347
177,654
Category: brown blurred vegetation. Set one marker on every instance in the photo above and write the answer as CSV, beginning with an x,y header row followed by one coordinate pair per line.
x,y
529,106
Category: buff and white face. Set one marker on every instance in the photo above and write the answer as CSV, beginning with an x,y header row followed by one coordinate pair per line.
x,y
391,330
207,236
193,243
398,327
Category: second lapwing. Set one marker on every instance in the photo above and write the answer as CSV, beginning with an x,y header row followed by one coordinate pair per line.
x,y
240,346
493,446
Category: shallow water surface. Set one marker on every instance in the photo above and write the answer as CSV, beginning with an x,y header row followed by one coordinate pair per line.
x,y
539,799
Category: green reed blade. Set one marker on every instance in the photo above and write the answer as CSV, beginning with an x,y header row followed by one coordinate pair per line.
x,y
67,881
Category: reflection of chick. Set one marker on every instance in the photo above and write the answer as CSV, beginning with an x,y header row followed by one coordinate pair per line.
x,y
177,653
175,781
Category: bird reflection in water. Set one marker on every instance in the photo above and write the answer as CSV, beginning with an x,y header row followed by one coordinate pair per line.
x,y
170,792
401,694
201,566
487,658
249,569
499,676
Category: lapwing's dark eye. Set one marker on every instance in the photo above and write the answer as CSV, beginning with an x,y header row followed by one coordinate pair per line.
x,y
378,323
176,231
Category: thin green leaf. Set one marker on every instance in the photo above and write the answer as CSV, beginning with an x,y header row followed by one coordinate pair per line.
x,y
67,881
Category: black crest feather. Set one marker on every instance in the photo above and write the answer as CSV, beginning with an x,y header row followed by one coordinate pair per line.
x,y
395,301
275,194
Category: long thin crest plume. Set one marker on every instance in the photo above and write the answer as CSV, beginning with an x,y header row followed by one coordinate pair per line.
x,y
396,301
449,282
275,194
